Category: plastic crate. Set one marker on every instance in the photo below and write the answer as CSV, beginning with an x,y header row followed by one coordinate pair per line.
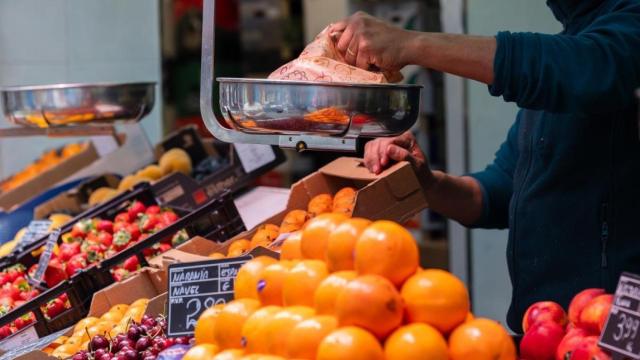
x,y
218,216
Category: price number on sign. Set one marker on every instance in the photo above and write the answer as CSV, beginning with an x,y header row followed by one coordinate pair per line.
x,y
627,327
197,306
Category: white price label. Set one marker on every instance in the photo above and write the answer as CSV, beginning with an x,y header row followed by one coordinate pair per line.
x,y
20,339
254,156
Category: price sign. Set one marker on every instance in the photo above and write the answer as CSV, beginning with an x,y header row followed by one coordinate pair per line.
x,y
45,257
20,339
621,334
196,286
36,230
254,156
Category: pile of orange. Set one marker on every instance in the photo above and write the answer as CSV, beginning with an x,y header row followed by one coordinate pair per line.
x,y
48,160
349,288
341,203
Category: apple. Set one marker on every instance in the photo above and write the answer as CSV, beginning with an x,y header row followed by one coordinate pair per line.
x,y
580,301
541,341
588,349
544,311
594,314
570,341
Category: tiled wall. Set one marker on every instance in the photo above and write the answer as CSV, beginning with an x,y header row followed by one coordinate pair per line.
x,y
62,41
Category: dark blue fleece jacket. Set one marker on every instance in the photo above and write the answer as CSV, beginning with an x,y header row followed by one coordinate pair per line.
x,y
566,182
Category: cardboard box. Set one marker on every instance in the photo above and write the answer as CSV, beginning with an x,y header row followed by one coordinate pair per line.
x,y
395,194
75,200
147,283
48,178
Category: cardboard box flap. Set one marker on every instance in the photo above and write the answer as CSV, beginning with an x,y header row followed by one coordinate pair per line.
x,y
147,283
348,167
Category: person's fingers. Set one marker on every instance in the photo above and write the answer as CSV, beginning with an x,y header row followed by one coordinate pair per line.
x,y
345,39
352,51
406,140
382,153
362,60
370,155
397,153
338,26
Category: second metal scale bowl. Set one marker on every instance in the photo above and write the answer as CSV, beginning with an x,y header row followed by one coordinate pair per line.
x,y
300,114
50,106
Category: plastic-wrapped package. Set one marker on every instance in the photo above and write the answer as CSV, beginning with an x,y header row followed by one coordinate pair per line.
x,y
321,61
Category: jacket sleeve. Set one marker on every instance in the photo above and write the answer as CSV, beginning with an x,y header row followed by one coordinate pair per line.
x,y
496,182
593,72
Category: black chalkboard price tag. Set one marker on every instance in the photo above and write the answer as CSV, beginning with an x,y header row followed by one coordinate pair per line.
x,y
196,286
621,334
45,257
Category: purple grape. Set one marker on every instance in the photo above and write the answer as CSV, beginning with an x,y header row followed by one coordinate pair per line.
x,y
151,357
143,343
146,354
118,339
131,355
134,333
106,356
163,324
145,328
126,343
99,342
82,355
148,320
99,352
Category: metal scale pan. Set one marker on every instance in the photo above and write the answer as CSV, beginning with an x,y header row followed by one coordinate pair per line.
x,y
300,114
74,109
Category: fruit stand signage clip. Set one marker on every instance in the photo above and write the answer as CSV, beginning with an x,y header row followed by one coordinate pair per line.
x,y
621,334
43,263
35,230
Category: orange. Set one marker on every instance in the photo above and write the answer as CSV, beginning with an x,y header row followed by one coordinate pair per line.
x,y
206,324
230,354
121,308
238,247
254,337
264,237
305,337
437,298
270,227
290,249
469,317
316,233
386,248
113,316
281,324
481,339
216,256
293,221
416,342
344,200
329,289
320,204
85,323
262,357
351,343
246,283
201,352
301,282
370,302
270,283
342,242
228,328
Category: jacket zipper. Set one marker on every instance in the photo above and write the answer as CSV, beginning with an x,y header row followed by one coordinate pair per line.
x,y
604,234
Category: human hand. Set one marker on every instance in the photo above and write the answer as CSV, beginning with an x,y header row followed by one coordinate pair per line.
x,y
379,153
366,41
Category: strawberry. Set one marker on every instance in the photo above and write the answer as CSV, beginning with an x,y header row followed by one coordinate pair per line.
x,y
24,320
153,210
54,274
76,264
105,238
122,217
164,248
5,331
148,222
168,217
134,230
136,208
14,272
119,274
121,240
4,278
91,237
105,225
54,308
119,226
82,227
131,264
6,301
67,250
29,294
